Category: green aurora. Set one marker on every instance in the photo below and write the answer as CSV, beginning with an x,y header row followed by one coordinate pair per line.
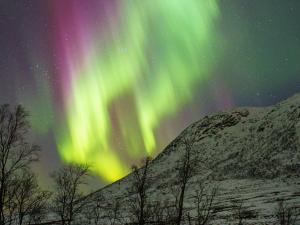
x,y
155,54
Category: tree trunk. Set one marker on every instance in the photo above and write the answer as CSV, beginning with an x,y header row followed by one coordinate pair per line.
x,y
180,205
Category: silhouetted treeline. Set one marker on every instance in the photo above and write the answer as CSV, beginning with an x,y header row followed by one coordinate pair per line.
x,y
23,202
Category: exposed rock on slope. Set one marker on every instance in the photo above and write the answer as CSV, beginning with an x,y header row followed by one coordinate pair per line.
x,y
251,154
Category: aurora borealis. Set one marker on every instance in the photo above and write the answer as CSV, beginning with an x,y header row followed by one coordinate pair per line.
x,y
109,82
120,63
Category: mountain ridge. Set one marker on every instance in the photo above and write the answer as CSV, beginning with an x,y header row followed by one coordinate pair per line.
x,y
251,153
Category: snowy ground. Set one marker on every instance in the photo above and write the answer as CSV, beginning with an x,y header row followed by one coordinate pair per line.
x,y
251,154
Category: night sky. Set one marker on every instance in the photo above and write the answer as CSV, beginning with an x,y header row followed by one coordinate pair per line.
x,y
108,82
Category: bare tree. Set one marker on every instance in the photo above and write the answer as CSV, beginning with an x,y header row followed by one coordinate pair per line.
x,y
67,201
161,212
16,154
114,212
141,183
286,215
204,201
103,211
31,201
26,202
94,210
184,174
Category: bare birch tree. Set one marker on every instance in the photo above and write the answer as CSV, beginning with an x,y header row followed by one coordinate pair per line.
x,y
184,174
141,183
67,201
16,154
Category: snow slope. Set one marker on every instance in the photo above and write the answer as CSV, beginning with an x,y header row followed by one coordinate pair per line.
x,y
251,154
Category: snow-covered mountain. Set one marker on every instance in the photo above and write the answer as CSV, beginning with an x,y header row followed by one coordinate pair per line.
x,y
251,154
